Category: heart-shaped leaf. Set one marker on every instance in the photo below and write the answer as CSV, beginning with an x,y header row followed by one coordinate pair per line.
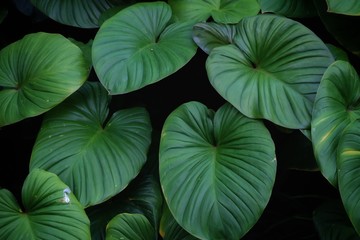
x,y
51,211
130,226
209,35
348,163
271,71
77,13
139,46
217,170
289,8
336,106
37,73
96,156
222,11
348,7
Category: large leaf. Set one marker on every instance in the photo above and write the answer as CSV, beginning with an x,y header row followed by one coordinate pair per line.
x,y
217,170
336,106
37,73
348,7
348,163
130,226
332,223
222,11
77,13
139,46
97,156
209,35
272,70
50,211
289,8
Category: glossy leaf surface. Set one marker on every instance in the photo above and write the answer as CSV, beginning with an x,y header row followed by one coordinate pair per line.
x,y
129,226
222,11
139,46
37,73
217,170
51,211
271,71
336,106
348,163
348,7
97,155
76,13
209,35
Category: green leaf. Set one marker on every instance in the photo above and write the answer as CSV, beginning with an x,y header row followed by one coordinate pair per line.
x,y
348,163
38,72
210,35
217,170
170,229
289,8
336,106
338,26
332,223
222,11
139,46
129,226
271,71
95,154
142,196
337,52
348,7
51,211
76,13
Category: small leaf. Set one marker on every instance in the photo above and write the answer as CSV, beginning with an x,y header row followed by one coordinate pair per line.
x,y
129,226
51,211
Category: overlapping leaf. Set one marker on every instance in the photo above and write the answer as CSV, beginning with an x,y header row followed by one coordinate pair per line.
x,y
222,11
51,211
272,70
210,35
336,106
96,155
139,46
217,170
37,73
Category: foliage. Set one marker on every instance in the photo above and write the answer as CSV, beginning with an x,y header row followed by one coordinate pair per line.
x,y
106,161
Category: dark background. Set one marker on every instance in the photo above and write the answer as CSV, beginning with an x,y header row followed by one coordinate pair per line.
x,y
296,193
